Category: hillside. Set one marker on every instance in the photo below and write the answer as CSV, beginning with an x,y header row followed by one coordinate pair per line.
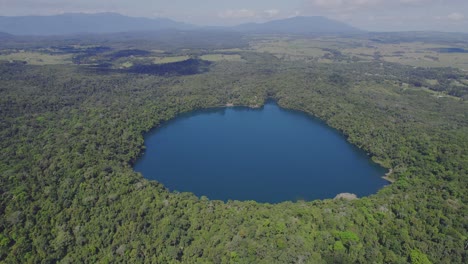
x,y
5,35
299,25
73,23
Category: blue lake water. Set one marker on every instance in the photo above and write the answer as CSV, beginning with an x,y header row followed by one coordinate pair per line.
x,y
267,155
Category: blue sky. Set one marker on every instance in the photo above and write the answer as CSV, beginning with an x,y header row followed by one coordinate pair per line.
x,y
375,15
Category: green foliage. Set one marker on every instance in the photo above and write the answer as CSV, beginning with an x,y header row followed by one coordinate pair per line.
x,y
69,137
348,237
339,247
4,241
417,257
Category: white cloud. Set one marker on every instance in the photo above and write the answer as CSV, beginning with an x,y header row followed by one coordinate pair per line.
x,y
250,14
361,4
350,4
270,13
327,3
456,16
419,2
239,13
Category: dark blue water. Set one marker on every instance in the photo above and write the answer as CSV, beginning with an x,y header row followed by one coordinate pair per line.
x,y
266,155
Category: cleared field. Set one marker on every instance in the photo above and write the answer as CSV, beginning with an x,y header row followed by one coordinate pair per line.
x,y
125,65
222,57
229,50
291,49
161,60
414,53
432,82
319,49
37,58
442,60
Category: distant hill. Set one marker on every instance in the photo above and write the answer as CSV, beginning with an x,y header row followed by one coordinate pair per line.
x,y
299,25
74,23
5,35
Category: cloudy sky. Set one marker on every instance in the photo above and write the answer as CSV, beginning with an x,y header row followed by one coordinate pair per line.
x,y
375,15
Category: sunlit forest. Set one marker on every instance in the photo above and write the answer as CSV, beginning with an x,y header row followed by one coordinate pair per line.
x,y
73,114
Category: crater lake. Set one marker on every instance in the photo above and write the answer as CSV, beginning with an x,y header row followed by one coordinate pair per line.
x,y
267,155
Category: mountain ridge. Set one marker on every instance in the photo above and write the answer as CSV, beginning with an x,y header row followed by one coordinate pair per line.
x,y
76,23
5,35
299,25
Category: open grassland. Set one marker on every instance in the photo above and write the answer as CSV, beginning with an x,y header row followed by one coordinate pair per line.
x,y
169,59
127,62
413,53
125,65
290,49
229,50
325,49
221,57
37,58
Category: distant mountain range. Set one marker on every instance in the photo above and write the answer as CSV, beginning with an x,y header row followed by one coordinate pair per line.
x,y
5,35
299,25
74,23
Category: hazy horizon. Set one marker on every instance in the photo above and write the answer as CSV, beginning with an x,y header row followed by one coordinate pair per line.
x,y
370,15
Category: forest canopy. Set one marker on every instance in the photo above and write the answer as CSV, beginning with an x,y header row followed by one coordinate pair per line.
x,y
70,132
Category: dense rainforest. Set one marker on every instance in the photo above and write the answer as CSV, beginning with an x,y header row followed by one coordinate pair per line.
x,y
69,135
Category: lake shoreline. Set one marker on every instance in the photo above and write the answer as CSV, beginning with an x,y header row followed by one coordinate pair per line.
x,y
183,159
387,176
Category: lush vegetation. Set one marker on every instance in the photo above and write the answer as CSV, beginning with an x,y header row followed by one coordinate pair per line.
x,y
70,133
